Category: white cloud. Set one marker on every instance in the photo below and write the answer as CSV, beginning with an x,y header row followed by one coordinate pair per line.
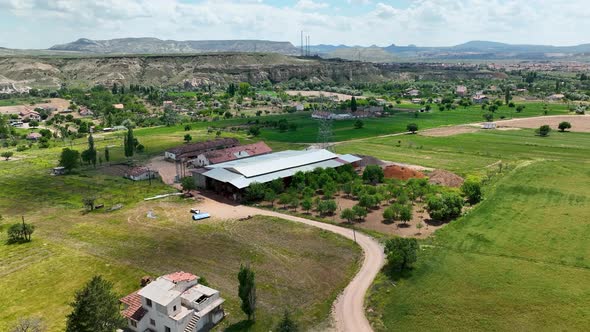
x,y
423,22
310,5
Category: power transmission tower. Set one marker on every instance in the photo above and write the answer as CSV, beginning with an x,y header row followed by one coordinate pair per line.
x,y
324,130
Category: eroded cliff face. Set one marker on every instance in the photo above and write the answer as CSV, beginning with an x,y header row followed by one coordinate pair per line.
x,y
194,70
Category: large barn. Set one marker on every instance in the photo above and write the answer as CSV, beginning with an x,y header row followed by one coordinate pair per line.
x,y
232,177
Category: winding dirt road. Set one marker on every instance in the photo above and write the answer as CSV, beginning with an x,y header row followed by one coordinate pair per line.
x,y
349,309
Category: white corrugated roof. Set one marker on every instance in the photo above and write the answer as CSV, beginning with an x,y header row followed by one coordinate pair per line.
x,y
349,158
274,162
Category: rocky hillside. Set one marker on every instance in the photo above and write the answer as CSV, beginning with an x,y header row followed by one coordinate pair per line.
x,y
158,46
210,69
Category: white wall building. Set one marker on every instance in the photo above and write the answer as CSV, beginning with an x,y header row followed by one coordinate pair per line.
x,y
173,303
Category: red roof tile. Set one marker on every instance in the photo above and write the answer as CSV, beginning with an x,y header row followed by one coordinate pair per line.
x,y
255,149
134,309
188,150
180,276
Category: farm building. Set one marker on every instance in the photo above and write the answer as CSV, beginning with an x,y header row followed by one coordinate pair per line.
x,y
141,173
489,125
233,153
232,177
461,90
34,136
189,151
176,303
479,98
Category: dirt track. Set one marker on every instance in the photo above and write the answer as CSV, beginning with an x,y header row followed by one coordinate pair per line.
x,y
580,123
348,310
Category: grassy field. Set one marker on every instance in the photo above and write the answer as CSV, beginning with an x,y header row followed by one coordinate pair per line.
x,y
343,130
298,268
20,101
470,153
518,261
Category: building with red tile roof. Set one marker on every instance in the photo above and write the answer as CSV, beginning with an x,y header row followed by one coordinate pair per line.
x,y
233,153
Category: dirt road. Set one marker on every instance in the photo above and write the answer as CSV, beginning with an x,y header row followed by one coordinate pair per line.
x,y
349,309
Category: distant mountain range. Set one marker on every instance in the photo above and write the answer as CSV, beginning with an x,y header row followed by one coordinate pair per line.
x,y
482,50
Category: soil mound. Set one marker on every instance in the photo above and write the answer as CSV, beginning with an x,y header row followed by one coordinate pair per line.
x,y
445,178
401,173
369,160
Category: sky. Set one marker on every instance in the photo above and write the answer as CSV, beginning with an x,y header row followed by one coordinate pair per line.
x,y
43,23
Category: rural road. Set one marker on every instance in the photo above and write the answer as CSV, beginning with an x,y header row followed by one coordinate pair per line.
x,y
349,308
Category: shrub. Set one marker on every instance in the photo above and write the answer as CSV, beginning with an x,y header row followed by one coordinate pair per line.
x,y
412,127
373,174
348,214
471,188
543,131
564,125
444,207
359,212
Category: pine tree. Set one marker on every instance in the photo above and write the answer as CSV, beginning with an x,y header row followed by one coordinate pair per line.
x,y
287,324
95,308
107,154
247,291
353,106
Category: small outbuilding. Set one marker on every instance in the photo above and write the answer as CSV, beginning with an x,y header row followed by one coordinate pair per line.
x,y
141,173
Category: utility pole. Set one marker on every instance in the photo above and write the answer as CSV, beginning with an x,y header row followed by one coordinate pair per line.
x,y
302,43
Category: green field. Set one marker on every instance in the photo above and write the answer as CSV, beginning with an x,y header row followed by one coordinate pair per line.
x,y
343,130
20,101
520,260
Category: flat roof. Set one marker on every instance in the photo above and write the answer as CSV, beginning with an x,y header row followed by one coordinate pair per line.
x,y
160,291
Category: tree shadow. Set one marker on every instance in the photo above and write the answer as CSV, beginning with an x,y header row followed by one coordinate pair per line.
x,y
244,325
403,225
432,222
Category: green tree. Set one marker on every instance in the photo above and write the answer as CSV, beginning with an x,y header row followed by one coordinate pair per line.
x,y
564,125
507,96
306,204
187,127
287,324
89,202
95,308
7,154
520,108
543,131
360,212
412,127
389,214
255,192
373,174
188,138
401,254
129,143
489,117
405,213
188,183
270,196
244,88
445,206
471,188
353,104
69,159
254,131
89,155
107,154
359,124
20,232
247,291
231,90
348,214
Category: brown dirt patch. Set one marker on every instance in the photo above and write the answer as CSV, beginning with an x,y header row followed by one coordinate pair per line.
x,y
580,123
401,173
369,160
445,178
58,103
449,131
340,96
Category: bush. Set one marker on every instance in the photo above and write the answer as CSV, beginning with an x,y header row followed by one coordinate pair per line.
x,y
471,188
359,212
255,192
444,207
348,214
543,131
373,174
412,127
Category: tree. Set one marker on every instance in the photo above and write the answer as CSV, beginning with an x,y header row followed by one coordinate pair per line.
x,y
359,124
247,291
95,308
348,214
543,131
270,196
471,188
287,324
188,138
489,117
401,254
69,159
405,214
373,174
359,211
254,131
353,105
187,127
107,154
29,324
389,214
306,204
419,226
520,108
33,123
7,154
507,96
444,207
188,183
564,125
89,155
129,143
412,127
231,90
244,88
255,192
